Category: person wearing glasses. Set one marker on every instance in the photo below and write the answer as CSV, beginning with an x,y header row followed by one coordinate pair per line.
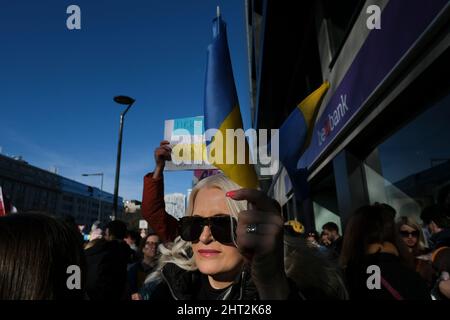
x,y
236,238
412,235
138,271
375,260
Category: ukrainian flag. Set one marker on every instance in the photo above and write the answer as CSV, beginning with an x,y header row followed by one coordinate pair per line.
x,y
221,108
295,136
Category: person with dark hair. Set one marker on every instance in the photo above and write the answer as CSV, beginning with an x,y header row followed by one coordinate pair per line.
x,y
323,240
331,231
312,236
70,221
133,239
107,262
36,252
138,272
115,230
312,239
437,220
374,254
316,276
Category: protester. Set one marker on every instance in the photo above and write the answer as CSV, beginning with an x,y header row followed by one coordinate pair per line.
x,y
315,275
153,205
178,252
437,219
312,238
331,232
107,262
138,271
238,253
371,240
36,252
412,235
133,239
96,231
323,240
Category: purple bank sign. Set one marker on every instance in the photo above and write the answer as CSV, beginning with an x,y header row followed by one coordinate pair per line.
x,y
402,23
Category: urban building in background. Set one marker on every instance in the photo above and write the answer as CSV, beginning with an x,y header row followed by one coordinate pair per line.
x,y
32,189
175,204
382,133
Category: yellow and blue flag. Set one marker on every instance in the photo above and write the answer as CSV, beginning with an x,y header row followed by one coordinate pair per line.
x,y
295,136
221,107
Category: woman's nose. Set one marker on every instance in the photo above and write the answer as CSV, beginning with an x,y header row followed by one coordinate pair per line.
x,y
206,235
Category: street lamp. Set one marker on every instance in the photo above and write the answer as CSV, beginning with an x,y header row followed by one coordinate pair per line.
x,y
123,100
101,189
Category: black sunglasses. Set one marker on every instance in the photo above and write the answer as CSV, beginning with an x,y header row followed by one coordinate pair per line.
x,y
406,234
223,228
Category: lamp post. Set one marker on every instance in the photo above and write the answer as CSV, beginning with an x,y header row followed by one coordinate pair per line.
x,y
101,189
123,100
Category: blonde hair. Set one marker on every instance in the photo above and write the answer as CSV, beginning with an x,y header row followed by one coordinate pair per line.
x,y
179,252
221,182
410,222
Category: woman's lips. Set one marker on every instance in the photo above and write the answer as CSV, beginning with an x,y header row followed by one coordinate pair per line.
x,y
208,253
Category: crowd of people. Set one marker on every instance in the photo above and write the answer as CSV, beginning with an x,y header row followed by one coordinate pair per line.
x,y
232,244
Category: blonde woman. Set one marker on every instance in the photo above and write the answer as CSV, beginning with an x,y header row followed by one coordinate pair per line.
x,y
237,253
412,235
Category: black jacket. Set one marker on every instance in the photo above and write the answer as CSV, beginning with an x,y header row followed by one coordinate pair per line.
x,y
107,270
179,284
394,274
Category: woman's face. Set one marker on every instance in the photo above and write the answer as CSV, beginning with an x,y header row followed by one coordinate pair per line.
x,y
212,257
151,246
409,235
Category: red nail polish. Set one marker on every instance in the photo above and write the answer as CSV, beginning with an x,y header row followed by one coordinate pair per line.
x,y
230,194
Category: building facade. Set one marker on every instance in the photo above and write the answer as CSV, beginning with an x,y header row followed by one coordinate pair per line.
x,y
32,189
381,134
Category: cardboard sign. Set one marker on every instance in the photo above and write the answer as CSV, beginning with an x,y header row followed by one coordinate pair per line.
x,y
143,224
186,137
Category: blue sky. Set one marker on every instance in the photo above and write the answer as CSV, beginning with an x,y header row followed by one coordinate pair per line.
x,y
56,85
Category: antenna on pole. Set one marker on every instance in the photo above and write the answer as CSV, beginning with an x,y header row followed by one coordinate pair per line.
x,y
218,11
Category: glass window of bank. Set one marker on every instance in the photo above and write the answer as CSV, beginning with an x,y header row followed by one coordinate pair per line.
x,y
414,163
325,200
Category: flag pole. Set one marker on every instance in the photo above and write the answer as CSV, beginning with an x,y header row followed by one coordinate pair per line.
x,y
218,19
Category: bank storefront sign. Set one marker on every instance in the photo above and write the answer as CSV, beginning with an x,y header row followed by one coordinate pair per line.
x,y
334,120
383,50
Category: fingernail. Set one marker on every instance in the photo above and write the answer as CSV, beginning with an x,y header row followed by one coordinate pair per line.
x,y
230,194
